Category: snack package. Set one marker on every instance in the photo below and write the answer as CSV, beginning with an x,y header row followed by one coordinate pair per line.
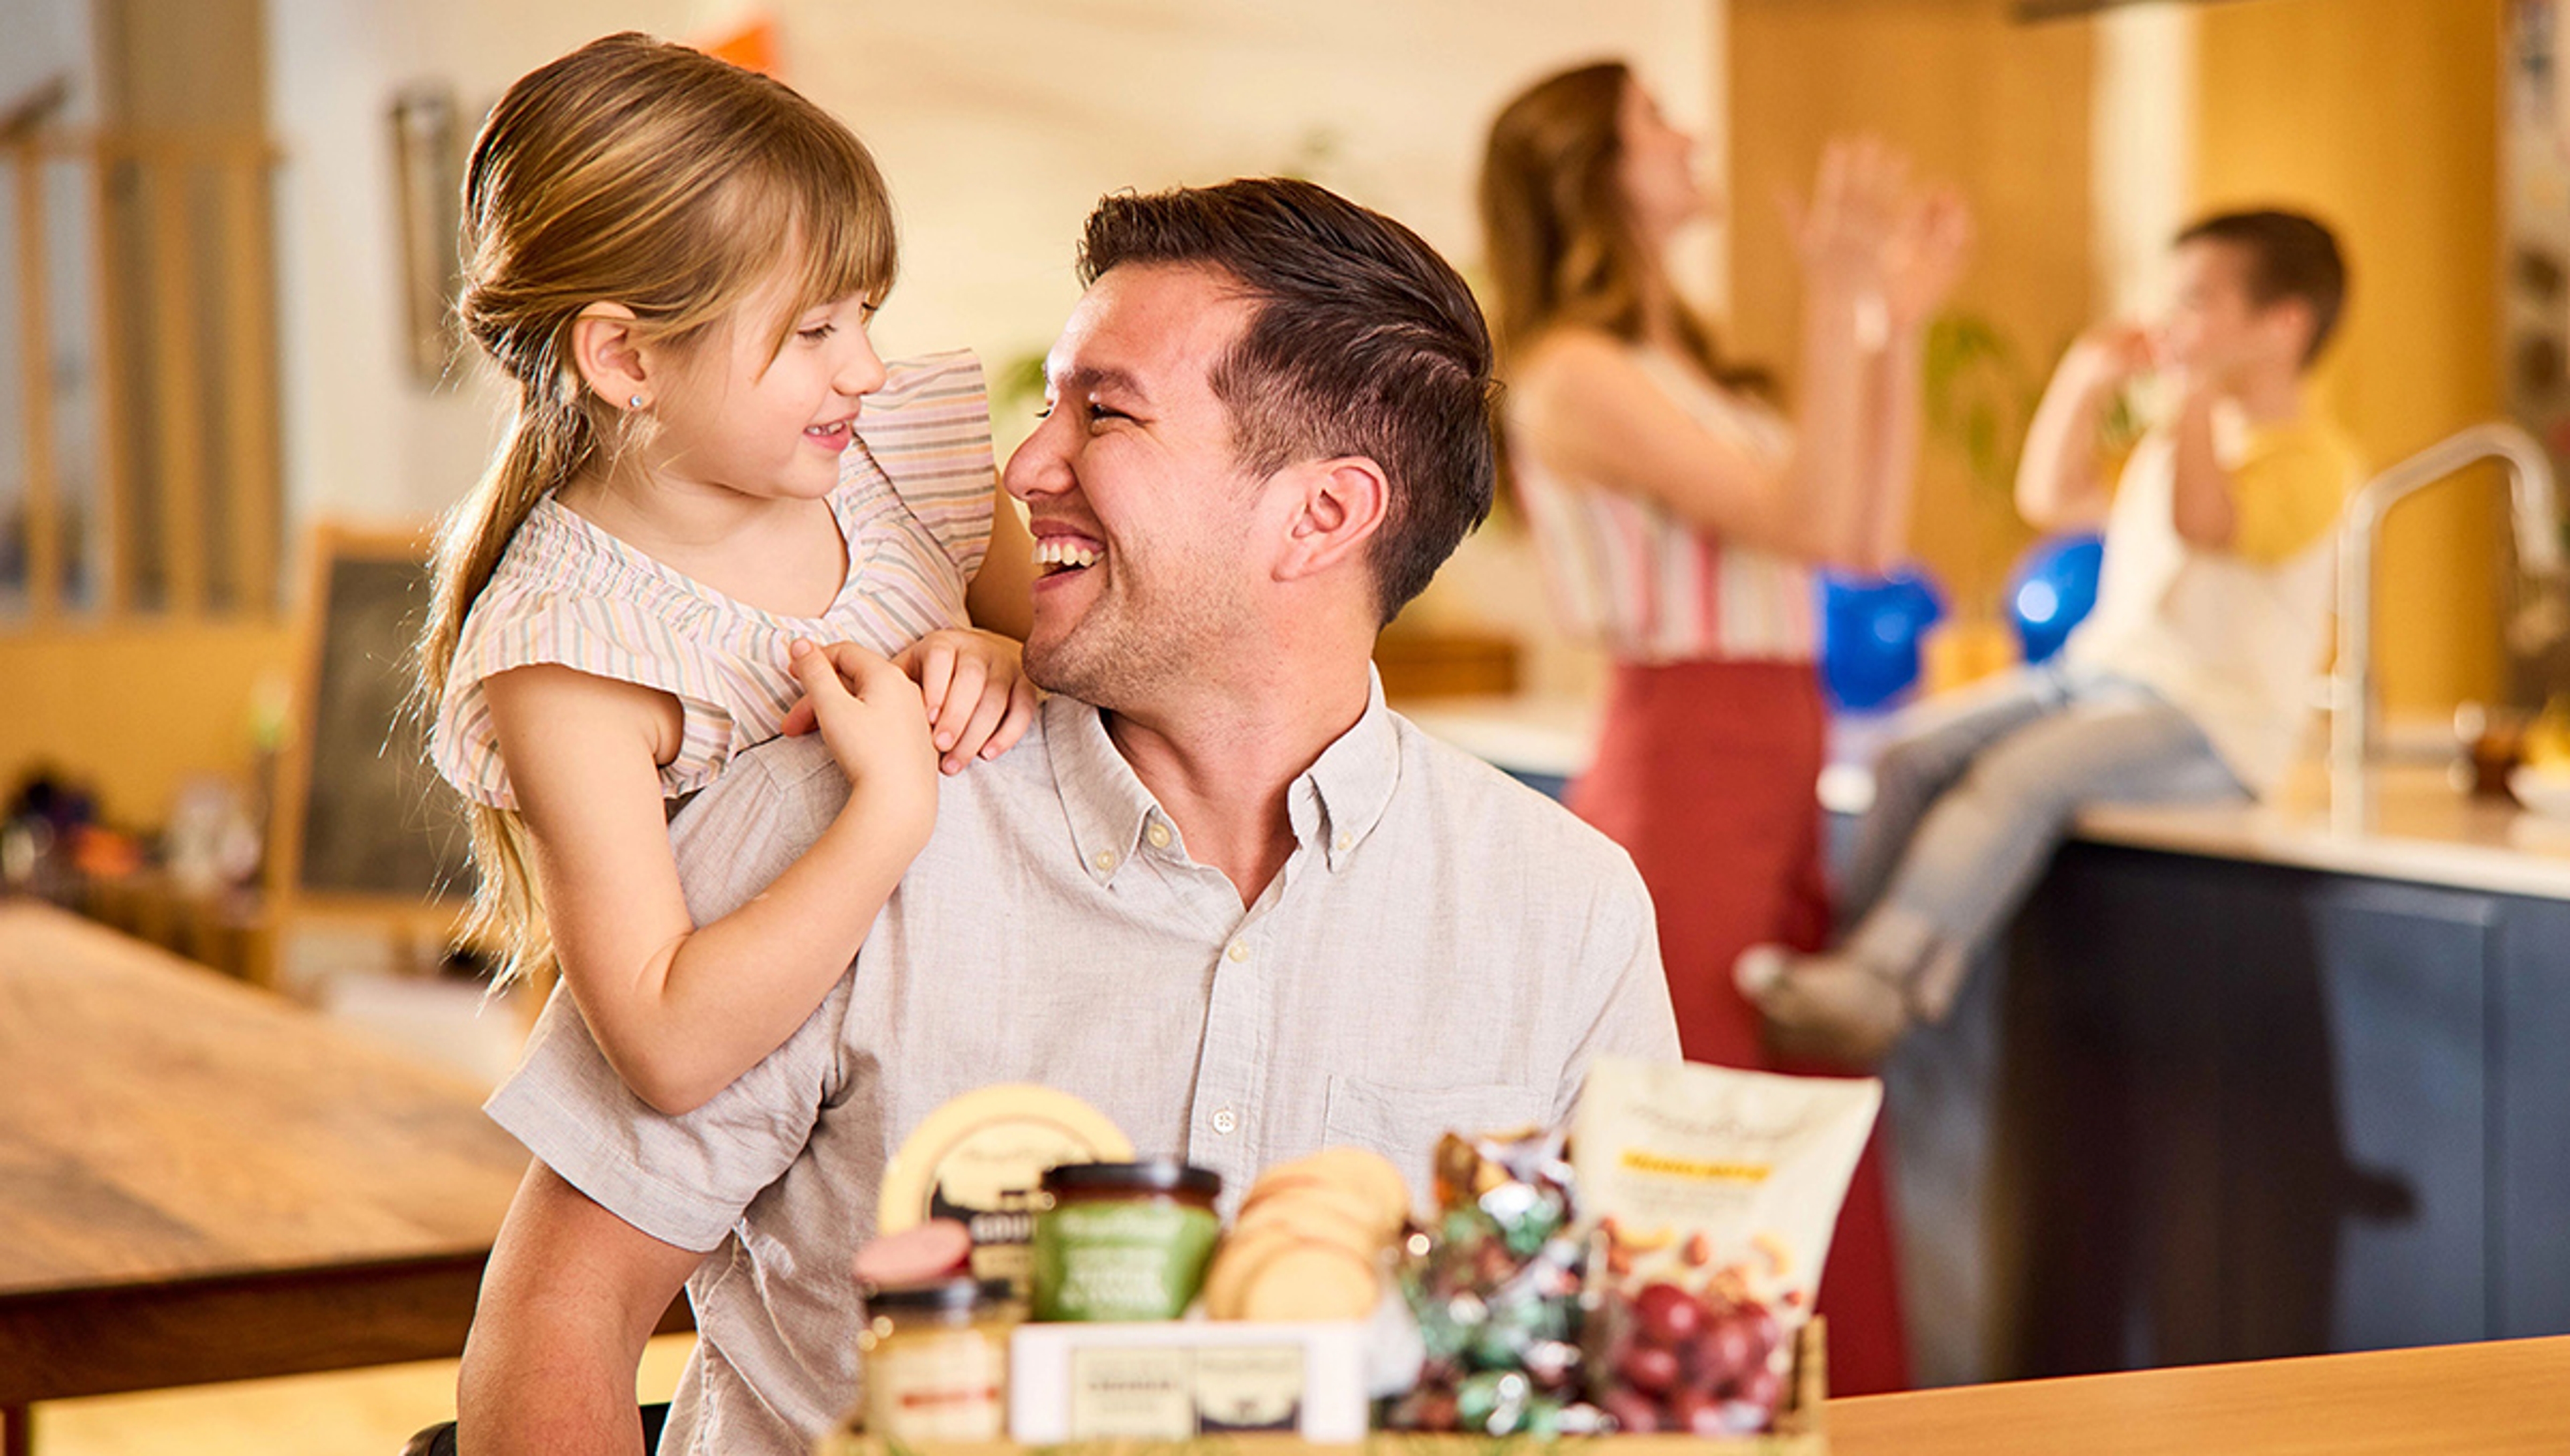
x,y
1709,1195
1495,1284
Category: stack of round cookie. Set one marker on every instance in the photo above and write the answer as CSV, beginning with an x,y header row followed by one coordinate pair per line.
x,y
1313,1240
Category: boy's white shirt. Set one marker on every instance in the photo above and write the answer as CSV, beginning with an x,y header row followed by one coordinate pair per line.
x,y
2233,643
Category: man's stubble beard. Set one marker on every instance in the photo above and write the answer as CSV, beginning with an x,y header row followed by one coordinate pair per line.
x,y
1125,653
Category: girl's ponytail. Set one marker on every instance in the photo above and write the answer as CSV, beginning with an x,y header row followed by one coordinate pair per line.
x,y
548,441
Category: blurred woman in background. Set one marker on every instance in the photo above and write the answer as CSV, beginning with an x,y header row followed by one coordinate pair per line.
x,y
1680,516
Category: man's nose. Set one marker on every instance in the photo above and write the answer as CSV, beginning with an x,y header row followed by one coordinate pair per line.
x,y
1040,466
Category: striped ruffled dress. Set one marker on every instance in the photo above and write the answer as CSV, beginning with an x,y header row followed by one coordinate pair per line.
x,y
913,502
1629,574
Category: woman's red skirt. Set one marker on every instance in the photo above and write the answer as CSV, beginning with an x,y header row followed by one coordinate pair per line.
x,y
1708,774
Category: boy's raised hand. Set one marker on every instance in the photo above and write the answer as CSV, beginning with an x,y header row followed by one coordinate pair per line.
x,y
978,700
2107,356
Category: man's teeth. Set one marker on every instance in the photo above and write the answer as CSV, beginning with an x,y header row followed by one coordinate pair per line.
x,y
1064,553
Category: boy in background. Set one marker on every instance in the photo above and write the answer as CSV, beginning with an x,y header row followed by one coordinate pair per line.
x,y
2189,681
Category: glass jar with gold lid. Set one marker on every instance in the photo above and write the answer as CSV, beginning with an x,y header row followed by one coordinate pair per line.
x,y
936,1361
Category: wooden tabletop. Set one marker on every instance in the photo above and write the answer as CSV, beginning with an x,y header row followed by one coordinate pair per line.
x,y
202,1181
2509,1396
2503,1396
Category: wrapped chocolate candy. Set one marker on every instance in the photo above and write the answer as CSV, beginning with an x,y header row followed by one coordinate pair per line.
x,y
1495,1283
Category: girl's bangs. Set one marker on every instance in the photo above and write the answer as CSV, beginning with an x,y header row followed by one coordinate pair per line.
x,y
838,243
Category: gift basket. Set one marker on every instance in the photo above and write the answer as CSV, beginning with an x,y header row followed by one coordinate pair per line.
x,y
1647,1271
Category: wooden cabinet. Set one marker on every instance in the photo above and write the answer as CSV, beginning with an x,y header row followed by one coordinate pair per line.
x,y
2530,1120
2239,1111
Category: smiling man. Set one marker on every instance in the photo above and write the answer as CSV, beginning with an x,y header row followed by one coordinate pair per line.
x,y
1220,891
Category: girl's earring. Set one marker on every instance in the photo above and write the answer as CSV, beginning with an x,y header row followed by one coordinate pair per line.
x,y
636,402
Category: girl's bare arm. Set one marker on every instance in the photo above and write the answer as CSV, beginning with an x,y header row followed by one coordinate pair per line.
x,y
680,1009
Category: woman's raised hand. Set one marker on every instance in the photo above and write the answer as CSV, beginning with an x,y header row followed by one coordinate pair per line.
x,y
1869,230
1854,207
1926,254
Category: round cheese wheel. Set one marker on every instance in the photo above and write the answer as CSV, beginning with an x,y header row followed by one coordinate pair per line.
x,y
990,1146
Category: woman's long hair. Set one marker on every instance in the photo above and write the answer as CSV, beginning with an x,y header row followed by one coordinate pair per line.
x,y
647,174
1562,245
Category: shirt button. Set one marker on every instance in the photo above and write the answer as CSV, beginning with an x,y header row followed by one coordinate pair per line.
x,y
1344,841
1105,860
1236,952
1159,835
1226,1122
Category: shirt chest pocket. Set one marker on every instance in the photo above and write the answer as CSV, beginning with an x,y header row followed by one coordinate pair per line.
x,y
1403,1123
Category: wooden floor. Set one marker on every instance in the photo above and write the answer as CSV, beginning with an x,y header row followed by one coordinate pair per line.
x,y
354,1413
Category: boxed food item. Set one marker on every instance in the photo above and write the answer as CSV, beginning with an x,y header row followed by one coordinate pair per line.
x,y
1178,1380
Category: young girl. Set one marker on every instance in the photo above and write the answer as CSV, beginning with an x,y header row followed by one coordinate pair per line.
x,y
714,498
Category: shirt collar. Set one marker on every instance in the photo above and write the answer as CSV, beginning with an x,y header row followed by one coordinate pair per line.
x,y
1335,804
1106,804
1353,779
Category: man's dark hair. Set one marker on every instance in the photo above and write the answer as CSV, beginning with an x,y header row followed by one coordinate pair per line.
x,y
2290,256
1364,343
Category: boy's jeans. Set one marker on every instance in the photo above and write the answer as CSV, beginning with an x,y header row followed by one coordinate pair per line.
x,y
1970,802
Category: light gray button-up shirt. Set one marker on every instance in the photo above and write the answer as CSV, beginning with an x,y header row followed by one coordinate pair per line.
x,y
1446,949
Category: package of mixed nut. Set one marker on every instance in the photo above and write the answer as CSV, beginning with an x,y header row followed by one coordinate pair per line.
x,y
1708,1196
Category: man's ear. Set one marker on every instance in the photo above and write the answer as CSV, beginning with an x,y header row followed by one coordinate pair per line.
x,y
609,357
1341,505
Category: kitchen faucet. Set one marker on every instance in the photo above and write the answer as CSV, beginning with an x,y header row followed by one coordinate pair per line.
x,y
2534,512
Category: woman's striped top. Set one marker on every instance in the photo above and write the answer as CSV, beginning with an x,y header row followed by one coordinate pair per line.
x,y
913,502
1630,574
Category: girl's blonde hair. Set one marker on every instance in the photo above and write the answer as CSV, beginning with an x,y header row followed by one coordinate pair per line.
x,y
1559,229
647,174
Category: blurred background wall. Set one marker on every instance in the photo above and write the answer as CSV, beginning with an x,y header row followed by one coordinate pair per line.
x,y
999,125
2381,115
2081,142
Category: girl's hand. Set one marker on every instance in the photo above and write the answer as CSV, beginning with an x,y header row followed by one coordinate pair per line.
x,y
1923,258
978,700
868,714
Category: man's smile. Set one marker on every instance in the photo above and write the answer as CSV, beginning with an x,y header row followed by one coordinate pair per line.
x,y
1055,554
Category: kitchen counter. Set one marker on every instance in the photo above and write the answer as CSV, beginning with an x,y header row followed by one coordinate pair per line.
x,y
2415,826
